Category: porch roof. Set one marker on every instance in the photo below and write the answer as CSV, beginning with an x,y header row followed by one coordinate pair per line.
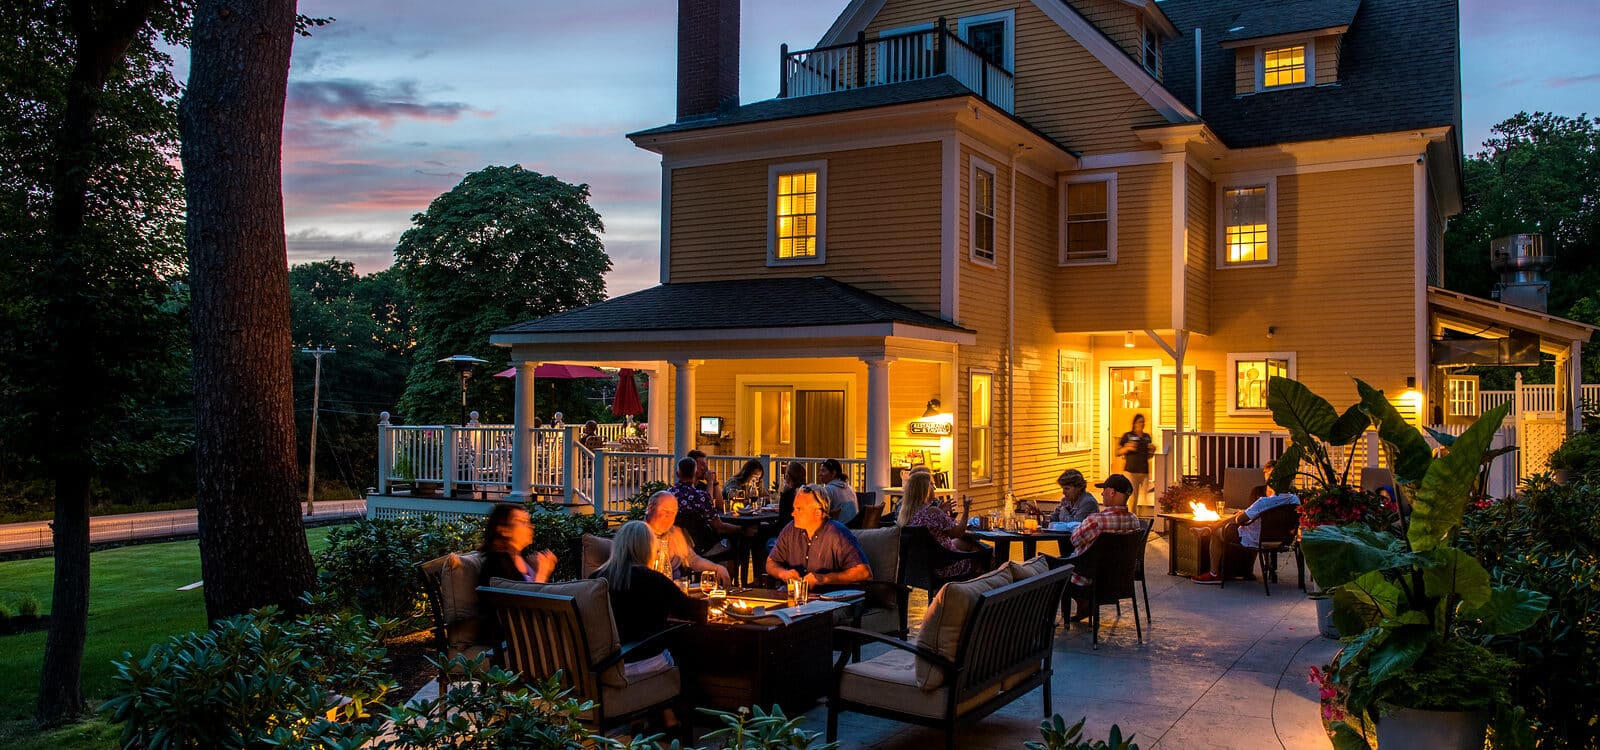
x,y
1464,312
766,307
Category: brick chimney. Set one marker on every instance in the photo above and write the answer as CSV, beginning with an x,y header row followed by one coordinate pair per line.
x,y
708,57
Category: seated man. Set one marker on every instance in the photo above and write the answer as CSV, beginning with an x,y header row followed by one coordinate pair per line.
x,y
698,515
815,549
1262,499
1115,518
841,496
660,514
1077,503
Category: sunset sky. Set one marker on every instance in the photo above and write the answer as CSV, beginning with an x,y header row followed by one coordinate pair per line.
x,y
395,101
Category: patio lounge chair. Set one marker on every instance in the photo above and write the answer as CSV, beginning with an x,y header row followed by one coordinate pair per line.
x,y
568,628
1109,563
1280,532
990,644
888,597
449,583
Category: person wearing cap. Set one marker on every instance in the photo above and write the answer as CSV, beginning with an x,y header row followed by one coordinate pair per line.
x,y
1077,502
814,548
1113,519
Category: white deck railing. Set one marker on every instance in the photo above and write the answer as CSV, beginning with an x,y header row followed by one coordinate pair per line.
x,y
890,59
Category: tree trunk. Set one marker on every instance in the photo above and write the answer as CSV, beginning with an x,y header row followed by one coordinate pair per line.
x,y
101,35
252,545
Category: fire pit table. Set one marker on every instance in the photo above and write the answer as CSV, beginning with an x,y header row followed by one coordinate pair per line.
x,y
1187,553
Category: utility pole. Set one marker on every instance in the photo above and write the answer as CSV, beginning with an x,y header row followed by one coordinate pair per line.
x,y
316,399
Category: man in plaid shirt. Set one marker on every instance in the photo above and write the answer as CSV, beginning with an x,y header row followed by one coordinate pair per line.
x,y
1113,518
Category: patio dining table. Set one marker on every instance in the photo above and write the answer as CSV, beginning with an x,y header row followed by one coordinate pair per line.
x,y
733,662
1002,541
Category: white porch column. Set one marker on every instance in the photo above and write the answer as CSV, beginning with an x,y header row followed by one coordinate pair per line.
x,y
1574,384
522,439
657,407
683,427
877,423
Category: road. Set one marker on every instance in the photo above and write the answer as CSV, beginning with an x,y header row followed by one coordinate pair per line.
x,y
35,535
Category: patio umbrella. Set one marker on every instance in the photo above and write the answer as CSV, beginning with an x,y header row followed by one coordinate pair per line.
x,y
558,372
627,400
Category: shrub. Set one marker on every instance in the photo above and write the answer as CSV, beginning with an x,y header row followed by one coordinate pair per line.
x,y
1059,736
557,530
1339,505
755,729
28,606
640,499
1549,541
1579,455
370,565
247,677
5,612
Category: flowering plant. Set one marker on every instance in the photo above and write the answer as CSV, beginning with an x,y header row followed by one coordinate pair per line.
x,y
1178,496
1339,505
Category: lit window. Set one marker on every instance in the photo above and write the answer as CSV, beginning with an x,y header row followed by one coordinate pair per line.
x,y
1252,372
1245,237
1463,396
1285,66
797,209
982,212
980,407
1089,231
1075,407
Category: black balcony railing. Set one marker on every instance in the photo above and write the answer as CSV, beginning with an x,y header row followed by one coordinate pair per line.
x,y
894,59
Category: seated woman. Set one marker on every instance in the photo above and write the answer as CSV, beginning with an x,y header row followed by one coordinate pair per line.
x,y
919,509
1077,503
748,481
507,534
641,598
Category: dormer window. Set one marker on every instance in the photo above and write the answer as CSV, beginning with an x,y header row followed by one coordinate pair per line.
x,y
1152,51
1285,66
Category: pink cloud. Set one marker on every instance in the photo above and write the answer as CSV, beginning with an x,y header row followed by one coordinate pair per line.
x,y
342,99
1564,81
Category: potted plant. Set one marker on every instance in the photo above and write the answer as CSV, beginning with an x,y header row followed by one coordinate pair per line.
x,y
1416,669
1177,497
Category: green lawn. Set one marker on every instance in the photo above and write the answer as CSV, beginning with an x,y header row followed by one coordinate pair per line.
x,y
133,603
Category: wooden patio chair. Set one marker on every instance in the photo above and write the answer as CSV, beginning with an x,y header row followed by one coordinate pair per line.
x,y
573,633
921,557
1110,564
449,586
1280,532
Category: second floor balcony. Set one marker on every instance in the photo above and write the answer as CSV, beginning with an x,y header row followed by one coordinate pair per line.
x,y
894,59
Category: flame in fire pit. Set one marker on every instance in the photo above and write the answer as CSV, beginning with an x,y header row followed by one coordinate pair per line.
x,y
1202,513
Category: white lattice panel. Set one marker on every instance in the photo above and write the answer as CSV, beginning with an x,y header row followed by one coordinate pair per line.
x,y
1540,436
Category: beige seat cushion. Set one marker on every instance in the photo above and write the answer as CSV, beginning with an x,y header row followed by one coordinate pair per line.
x,y
593,597
883,552
947,617
1024,570
889,680
648,683
596,550
458,586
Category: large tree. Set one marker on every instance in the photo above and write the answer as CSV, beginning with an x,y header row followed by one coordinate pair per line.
x,y
252,547
91,222
366,321
506,245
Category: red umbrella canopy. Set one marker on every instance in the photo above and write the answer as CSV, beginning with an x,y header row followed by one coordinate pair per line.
x,y
627,400
558,372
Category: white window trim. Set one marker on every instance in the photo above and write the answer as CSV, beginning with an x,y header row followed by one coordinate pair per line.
x,y
821,168
1233,378
1271,184
1010,19
988,432
1311,65
1086,417
1110,179
975,164
1146,31
1475,403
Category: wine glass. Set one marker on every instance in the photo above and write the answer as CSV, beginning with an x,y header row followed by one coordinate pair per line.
x,y
708,581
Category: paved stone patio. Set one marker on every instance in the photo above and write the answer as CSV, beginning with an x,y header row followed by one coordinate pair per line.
x,y
1219,668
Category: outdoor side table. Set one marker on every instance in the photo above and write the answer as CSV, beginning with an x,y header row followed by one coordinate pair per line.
x,y
729,663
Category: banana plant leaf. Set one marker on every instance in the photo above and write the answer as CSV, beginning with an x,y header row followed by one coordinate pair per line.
x,y
1303,413
1448,483
1508,610
1411,452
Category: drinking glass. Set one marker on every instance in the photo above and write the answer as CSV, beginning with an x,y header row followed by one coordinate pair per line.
x,y
708,581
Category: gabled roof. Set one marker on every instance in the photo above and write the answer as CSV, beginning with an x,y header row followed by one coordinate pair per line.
x,y
1485,316
771,303
1261,20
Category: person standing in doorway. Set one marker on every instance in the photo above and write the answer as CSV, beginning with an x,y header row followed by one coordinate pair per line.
x,y
1135,447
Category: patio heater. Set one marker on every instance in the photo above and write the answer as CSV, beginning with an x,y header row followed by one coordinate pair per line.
x,y
463,364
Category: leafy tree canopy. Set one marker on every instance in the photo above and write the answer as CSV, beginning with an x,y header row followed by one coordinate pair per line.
x,y
504,246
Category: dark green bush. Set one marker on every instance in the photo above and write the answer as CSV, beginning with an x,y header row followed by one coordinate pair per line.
x,y
558,531
370,565
1579,455
248,677
1059,736
1549,541
27,606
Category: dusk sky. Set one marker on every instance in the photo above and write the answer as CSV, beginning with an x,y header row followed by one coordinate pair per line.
x,y
394,102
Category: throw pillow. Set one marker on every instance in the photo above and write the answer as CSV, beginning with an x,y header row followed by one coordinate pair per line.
x,y
947,617
1019,571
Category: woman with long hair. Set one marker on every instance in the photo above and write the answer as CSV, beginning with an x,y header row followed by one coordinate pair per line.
x,y
507,534
642,599
748,479
919,508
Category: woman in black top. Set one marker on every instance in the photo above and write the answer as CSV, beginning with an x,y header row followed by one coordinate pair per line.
x,y
641,598
506,534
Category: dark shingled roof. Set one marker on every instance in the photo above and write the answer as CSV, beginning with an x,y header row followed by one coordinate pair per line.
x,y
921,90
742,303
1288,17
1399,69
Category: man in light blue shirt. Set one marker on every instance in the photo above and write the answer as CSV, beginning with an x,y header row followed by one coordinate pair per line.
x,y
1235,531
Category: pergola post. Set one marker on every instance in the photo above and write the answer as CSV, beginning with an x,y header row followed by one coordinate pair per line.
x,y
1574,384
683,422
522,438
877,422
